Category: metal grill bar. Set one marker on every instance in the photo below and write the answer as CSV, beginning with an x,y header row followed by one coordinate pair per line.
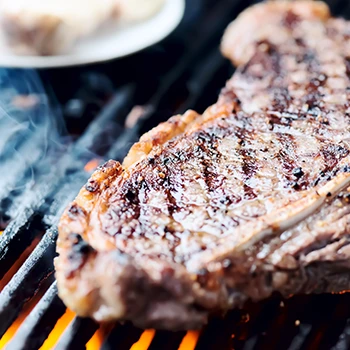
x,y
319,318
284,328
344,338
123,336
167,94
223,329
338,322
15,238
77,334
25,283
38,325
167,340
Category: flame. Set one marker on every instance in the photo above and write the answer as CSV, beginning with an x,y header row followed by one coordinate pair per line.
x,y
19,262
92,165
190,340
61,325
59,328
144,341
188,343
14,327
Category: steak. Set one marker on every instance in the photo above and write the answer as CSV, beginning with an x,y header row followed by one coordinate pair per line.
x,y
250,198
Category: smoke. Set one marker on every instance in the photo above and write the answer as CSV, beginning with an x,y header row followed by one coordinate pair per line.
x,y
32,133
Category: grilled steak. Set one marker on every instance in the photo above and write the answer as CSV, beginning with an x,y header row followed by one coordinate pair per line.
x,y
248,199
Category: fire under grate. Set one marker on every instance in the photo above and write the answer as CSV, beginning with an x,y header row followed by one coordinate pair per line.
x,y
105,109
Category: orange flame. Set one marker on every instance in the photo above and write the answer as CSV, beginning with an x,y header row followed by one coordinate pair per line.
x,y
190,340
145,340
188,343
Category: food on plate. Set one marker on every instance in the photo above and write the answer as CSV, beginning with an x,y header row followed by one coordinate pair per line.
x,y
37,27
136,10
248,199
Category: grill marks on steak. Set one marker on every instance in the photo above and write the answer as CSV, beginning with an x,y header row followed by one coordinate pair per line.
x,y
219,167
247,199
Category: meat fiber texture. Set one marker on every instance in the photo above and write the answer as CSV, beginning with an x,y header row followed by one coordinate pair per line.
x,y
250,198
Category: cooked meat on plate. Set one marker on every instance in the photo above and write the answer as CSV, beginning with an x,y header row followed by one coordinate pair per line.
x,y
50,27
248,199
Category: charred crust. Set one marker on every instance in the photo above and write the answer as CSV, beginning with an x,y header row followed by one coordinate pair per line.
x,y
346,169
78,254
290,20
108,165
298,172
75,211
296,186
92,186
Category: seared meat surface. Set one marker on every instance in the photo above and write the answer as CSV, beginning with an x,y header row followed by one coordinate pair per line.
x,y
248,199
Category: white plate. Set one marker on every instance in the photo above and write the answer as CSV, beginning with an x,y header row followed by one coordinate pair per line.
x,y
109,43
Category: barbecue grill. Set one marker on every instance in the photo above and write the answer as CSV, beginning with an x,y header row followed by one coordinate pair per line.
x,y
105,109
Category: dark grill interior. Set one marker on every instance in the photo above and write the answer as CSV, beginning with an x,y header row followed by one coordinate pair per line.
x,y
105,109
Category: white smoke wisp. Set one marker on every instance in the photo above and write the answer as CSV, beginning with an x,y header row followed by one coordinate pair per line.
x,y
31,132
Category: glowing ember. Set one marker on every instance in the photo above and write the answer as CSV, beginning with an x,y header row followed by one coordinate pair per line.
x,y
25,101
135,114
92,165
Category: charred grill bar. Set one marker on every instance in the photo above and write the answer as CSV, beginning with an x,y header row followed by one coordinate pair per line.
x,y
185,71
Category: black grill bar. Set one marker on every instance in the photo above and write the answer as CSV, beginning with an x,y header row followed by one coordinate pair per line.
x,y
26,282
320,318
175,83
260,318
122,336
206,76
38,325
344,338
167,340
77,334
223,329
20,233
15,238
338,322
19,167
284,327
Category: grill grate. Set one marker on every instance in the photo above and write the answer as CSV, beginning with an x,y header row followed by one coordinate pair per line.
x,y
184,71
